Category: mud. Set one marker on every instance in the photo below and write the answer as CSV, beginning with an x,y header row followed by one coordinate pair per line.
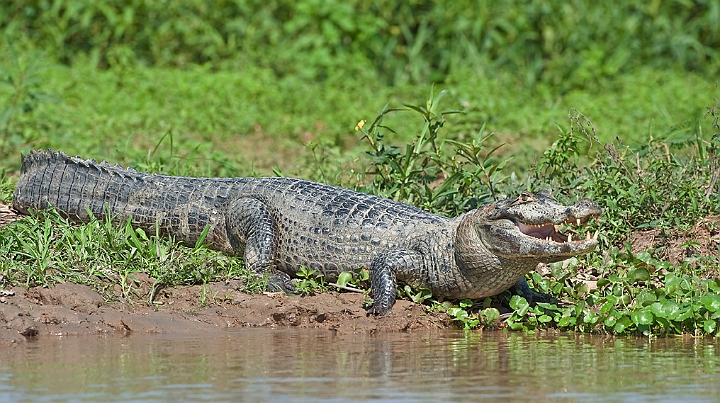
x,y
674,246
8,214
73,309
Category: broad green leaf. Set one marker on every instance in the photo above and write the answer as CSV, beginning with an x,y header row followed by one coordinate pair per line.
x,y
602,282
709,326
591,317
684,314
672,284
344,278
711,302
491,314
622,324
644,317
639,274
645,298
567,321
670,309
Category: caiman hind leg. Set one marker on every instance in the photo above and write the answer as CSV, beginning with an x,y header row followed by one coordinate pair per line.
x,y
251,232
385,270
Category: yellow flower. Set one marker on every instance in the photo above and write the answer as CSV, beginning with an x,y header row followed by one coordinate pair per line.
x,y
360,124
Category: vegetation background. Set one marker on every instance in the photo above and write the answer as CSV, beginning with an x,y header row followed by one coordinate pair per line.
x,y
616,101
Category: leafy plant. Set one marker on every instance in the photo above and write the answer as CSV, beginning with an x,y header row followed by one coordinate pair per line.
x,y
359,279
42,250
310,281
417,296
427,174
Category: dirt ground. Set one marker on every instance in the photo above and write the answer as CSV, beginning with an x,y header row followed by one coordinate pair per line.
x,y
703,239
73,309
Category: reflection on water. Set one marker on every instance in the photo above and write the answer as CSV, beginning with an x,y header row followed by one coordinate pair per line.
x,y
263,365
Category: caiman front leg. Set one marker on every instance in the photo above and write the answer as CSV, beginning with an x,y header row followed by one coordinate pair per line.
x,y
385,270
251,231
521,287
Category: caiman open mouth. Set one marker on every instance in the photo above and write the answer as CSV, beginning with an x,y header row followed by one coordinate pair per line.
x,y
550,232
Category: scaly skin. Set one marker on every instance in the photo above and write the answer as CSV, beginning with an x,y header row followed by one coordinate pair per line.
x,y
280,224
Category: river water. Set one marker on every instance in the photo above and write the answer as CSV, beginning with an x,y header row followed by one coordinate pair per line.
x,y
288,365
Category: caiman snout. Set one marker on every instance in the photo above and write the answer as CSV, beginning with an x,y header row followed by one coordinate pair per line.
x,y
582,211
530,226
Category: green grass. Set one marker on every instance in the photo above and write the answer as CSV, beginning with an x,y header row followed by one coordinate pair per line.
x,y
47,249
566,44
231,123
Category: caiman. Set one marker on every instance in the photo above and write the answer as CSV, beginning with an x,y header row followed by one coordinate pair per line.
x,y
281,224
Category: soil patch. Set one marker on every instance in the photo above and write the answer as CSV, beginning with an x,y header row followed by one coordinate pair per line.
x,y
73,309
673,246
8,214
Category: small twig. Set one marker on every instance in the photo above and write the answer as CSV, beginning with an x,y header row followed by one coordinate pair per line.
x,y
346,288
504,316
711,186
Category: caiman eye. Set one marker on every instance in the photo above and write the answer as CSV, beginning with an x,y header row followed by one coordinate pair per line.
x,y
525,197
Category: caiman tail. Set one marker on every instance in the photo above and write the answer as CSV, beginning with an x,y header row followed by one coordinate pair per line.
x,y
76,187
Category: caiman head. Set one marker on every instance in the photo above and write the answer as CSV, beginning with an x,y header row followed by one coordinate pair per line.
x,y
498,244
527,228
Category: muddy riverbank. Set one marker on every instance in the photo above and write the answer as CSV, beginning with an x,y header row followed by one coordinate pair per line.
x,y
73,309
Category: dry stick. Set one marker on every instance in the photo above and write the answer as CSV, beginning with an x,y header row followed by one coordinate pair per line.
x,y
353,289
714,179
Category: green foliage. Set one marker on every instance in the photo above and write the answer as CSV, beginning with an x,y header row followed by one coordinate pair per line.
x,y
426,173
469,315
359,279
245,122
42,250
643,295
417,296
310,281
7,187
667,183
567,44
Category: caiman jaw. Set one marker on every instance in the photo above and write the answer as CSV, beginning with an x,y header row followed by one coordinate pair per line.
x,y
550,232
528,228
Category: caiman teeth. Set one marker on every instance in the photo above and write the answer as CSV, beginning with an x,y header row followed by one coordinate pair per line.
x,y
550,232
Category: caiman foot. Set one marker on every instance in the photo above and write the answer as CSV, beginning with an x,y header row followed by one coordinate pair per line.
x,y
533,297
379,309
280,282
